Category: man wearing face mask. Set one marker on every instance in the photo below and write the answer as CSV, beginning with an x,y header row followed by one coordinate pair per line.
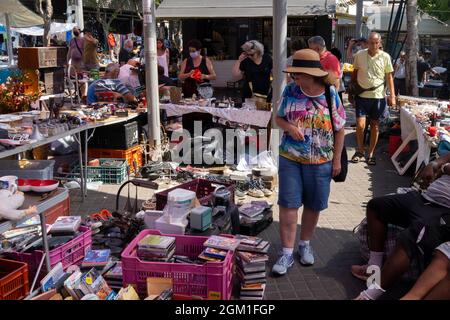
x,y
126,53
196,69
76,46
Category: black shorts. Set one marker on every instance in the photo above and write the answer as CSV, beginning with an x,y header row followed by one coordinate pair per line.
x,y
420,240
403,209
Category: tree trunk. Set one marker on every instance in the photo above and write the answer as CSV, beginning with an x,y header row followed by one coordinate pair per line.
x,y
46,39
411,48
46,14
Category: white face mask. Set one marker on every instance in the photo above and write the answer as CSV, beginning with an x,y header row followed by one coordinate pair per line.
x,y
195,54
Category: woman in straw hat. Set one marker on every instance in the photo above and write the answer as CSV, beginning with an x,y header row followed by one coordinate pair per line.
x,y
310,153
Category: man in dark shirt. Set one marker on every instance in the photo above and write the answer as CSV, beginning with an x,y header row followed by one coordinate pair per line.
x,y
255,67
126,53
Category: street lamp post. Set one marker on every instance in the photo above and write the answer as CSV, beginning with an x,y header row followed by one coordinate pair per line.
x,y
151,74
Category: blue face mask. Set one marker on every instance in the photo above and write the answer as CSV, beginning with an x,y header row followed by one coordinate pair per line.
x,y
129,49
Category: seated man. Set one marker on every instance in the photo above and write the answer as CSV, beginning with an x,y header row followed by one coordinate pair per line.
x,y
110,83
429,246
405,210
426,218
434,283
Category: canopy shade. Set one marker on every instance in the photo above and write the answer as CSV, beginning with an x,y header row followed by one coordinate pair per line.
x,y
55,27
239,8
19,15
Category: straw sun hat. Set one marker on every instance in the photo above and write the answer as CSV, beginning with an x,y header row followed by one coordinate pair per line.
x,y
307,61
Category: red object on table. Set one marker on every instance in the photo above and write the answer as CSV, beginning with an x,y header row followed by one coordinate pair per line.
x,y
432,131
197,75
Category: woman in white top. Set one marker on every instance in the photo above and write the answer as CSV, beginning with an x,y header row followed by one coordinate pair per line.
x,y
400,74
163,56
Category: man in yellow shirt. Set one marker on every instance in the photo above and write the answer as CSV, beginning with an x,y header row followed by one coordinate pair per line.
x,y
372,69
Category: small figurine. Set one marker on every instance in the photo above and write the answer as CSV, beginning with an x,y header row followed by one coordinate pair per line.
x,y
9,204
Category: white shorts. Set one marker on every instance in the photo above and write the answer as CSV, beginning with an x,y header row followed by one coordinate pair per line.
x,y
445,249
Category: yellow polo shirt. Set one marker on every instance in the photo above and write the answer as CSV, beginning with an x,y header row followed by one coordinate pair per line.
x,y
372,72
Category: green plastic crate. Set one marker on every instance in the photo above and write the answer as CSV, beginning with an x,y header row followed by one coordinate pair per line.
x,y
115,174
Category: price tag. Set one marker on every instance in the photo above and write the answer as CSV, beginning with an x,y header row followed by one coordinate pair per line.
x,y
89,280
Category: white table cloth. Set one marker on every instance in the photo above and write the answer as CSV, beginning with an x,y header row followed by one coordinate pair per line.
x,y
258,118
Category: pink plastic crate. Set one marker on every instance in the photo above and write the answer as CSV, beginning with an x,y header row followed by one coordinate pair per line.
x,y
212,280
71,253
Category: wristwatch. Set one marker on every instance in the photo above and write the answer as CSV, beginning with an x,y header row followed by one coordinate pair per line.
x,y
445,166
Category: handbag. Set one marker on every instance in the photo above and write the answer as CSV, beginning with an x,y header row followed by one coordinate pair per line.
x,y
344,157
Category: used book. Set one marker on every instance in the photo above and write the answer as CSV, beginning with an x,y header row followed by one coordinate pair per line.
x,y
251,267
248,240
96,258
156,242
215,253
93,282
65,225
222,243
251,257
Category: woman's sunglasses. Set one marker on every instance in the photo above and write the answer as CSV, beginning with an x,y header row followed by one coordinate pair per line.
x,y
295,75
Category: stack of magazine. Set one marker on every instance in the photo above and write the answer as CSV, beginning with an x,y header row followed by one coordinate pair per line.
x,y
253,212
251,260
156,248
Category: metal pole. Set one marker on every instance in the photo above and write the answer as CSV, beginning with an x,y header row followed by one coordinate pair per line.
x,y
80,155
279,49
45,241
79,12
359,13
9,43
151,73
279,59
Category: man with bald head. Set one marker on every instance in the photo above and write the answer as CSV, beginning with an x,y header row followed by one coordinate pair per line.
x,y
372,71
110,83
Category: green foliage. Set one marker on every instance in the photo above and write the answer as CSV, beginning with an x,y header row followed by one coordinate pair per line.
x,y
437,8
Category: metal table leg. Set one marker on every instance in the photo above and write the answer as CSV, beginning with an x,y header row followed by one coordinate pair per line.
x,y
45,241
80,158
86,139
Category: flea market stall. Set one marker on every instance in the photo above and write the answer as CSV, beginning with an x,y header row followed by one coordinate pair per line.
x,y
426,124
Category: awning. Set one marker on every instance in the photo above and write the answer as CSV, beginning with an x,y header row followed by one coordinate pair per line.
x,y
56,27
239,8
19,15
378,20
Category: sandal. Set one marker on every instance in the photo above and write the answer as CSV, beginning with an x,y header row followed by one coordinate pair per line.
x,y
371,161
357,157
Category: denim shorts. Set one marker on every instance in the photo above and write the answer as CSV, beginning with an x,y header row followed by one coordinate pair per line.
x,y
372,108
304,184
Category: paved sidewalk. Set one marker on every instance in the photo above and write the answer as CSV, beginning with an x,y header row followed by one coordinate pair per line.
x,y
335,245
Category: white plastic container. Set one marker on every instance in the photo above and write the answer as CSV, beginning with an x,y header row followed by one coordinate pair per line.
x,y
179,203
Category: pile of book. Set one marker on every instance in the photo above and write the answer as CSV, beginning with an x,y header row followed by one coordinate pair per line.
x,y
251,260
90,284
114,276
156,248
217,247
253,211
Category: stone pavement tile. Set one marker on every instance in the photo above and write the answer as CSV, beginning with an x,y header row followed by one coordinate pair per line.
x,y
285,286
272,296
288,294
